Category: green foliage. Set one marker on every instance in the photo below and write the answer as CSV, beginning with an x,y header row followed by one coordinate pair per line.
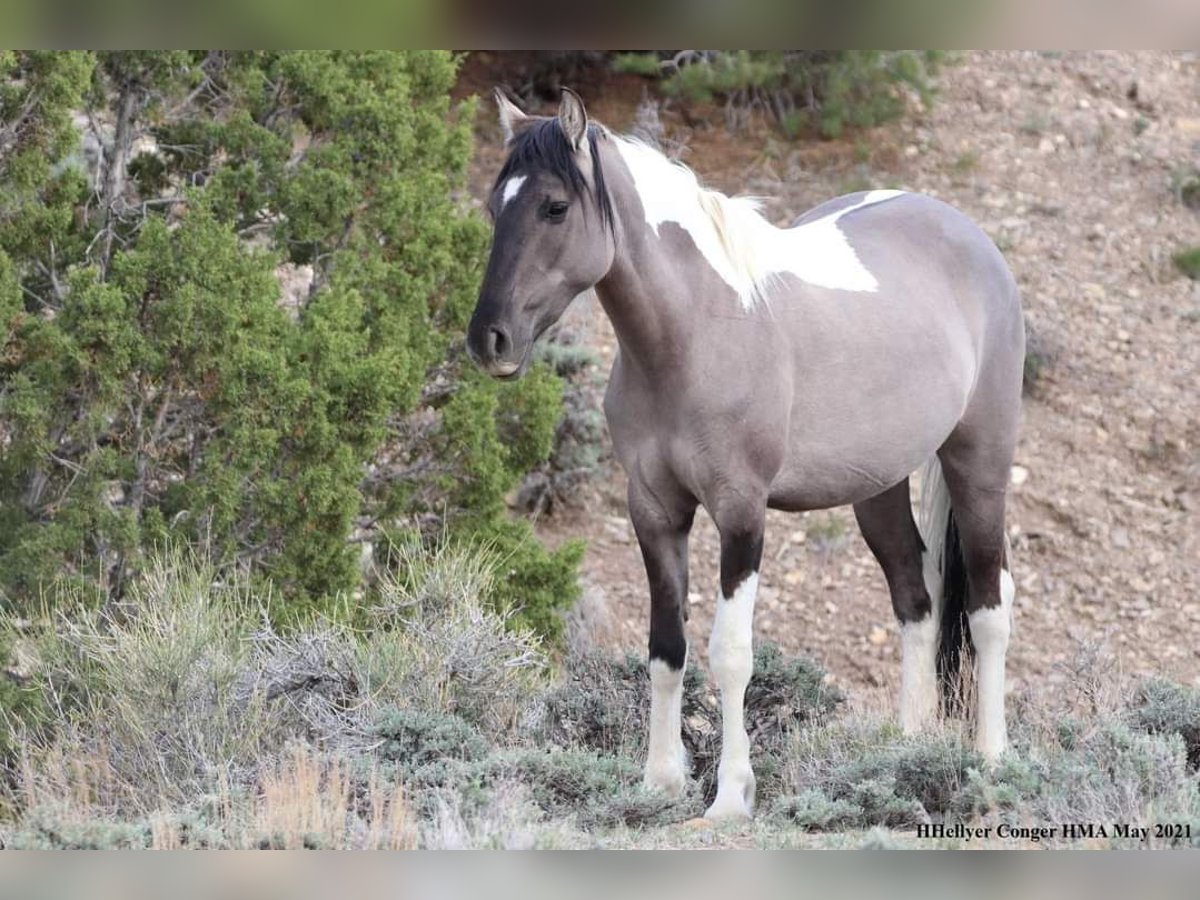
x,y
413,738
811,810
579,438
1163,707
602,704
21,702
1188,262
598,790
1185,185
1040,357
647,64
793,689
154,385
601,791
46,830
443,641
536,583
828,91
857,774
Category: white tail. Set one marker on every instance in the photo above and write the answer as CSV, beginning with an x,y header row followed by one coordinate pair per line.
x,y
932,520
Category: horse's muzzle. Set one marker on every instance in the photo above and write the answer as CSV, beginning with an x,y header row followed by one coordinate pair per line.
x,y
493,349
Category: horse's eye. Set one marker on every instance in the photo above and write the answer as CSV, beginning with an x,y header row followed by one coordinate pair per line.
x,y
555,210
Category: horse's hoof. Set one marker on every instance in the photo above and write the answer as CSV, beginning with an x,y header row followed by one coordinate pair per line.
x,y
732,809
991,751
668,782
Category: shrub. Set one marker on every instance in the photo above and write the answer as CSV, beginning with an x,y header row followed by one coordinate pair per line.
x,y
1163,707
413,738
536,584
826,90
1040,356
156,385
811,810
785,693
858,773
596,790
48,829
503,818
1116,774
156,700
1185,185
186,689
442,643
579,446
603,704
1188,262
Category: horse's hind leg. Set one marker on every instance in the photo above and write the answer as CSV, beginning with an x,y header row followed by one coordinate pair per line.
x,y
730,649
662,530
977,470
886,522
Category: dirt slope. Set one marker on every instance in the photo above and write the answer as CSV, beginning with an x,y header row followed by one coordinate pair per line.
x,y
1068,161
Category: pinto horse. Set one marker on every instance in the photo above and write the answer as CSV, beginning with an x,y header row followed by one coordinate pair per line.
x,y
791,368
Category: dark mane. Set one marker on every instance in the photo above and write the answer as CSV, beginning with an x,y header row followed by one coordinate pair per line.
x,y
544,146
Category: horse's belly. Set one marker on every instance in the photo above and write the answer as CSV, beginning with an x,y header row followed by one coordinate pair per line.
x,y
841,453
825,483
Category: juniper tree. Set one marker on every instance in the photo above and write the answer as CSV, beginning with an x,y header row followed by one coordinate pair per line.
x,y
156,386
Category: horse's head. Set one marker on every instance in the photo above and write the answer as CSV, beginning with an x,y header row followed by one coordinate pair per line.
x,y
553,237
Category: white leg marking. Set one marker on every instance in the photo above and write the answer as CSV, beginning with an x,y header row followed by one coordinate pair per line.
x,y
666,761
989,631
918,674
731,656
511,188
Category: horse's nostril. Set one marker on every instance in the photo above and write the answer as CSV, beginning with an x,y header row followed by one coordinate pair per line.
x,y
498,342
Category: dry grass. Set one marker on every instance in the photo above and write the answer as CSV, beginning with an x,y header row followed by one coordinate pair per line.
x,y
184,719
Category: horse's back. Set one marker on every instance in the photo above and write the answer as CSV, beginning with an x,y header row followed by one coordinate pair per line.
x,y
886,375
912,232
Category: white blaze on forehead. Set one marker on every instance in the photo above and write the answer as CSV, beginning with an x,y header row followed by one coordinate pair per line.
x,y
511,187
742,247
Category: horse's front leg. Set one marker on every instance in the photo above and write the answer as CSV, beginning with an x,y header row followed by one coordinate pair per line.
x,y
662,520
731,653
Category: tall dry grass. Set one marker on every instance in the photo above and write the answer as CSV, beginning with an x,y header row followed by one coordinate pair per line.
x,y
185,718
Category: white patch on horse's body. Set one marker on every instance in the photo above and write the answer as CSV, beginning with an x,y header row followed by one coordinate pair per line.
x,y
731,656
746,250
666,761
990,629
511,188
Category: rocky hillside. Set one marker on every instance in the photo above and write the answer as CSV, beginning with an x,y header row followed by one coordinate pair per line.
x,y
1076,165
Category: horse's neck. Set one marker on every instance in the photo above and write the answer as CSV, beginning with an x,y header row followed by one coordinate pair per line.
x,y
650,297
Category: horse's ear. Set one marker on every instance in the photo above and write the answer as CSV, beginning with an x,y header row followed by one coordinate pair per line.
x,y
511,116
573,117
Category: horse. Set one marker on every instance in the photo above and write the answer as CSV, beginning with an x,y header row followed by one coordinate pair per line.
x,y
761,367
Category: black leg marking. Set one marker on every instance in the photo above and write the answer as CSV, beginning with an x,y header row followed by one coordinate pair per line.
x,y
886,523
741,556
663,540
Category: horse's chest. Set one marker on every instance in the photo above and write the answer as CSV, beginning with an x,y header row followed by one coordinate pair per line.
x,y
708,430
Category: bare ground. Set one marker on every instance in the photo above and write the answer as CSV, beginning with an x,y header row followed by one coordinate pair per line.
x,y
1070,162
